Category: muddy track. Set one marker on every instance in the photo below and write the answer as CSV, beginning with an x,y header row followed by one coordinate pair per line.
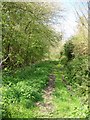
x,y
47,108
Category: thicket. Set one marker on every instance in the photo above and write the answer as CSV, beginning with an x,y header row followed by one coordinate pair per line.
x,y
74,62
25,36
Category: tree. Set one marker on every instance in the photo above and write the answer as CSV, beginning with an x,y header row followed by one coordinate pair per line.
x,y
81,38
25,37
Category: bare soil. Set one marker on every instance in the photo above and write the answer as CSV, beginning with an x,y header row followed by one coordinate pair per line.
x,y
47,108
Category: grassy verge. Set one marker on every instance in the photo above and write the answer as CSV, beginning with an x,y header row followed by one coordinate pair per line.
x,y
23,88
67,106
71,103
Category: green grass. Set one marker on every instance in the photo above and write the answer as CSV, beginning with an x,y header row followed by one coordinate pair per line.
x,y
24,87
67,106
75,106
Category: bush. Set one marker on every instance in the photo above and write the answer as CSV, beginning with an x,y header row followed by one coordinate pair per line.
x,y
68,49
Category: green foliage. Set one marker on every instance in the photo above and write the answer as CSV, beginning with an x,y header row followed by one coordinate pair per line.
x,y
73,68
80,40
75,100
24,88
25,37
26,41
68,48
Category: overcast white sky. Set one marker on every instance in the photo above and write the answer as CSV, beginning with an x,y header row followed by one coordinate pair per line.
x,y
68,23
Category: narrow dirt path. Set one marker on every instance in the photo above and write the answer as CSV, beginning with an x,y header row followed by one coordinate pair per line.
x,y
47,108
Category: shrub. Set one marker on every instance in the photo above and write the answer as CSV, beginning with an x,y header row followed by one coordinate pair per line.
x,y
68,49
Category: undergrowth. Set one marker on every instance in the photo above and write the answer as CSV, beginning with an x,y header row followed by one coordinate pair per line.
x,y
22,89
71,96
